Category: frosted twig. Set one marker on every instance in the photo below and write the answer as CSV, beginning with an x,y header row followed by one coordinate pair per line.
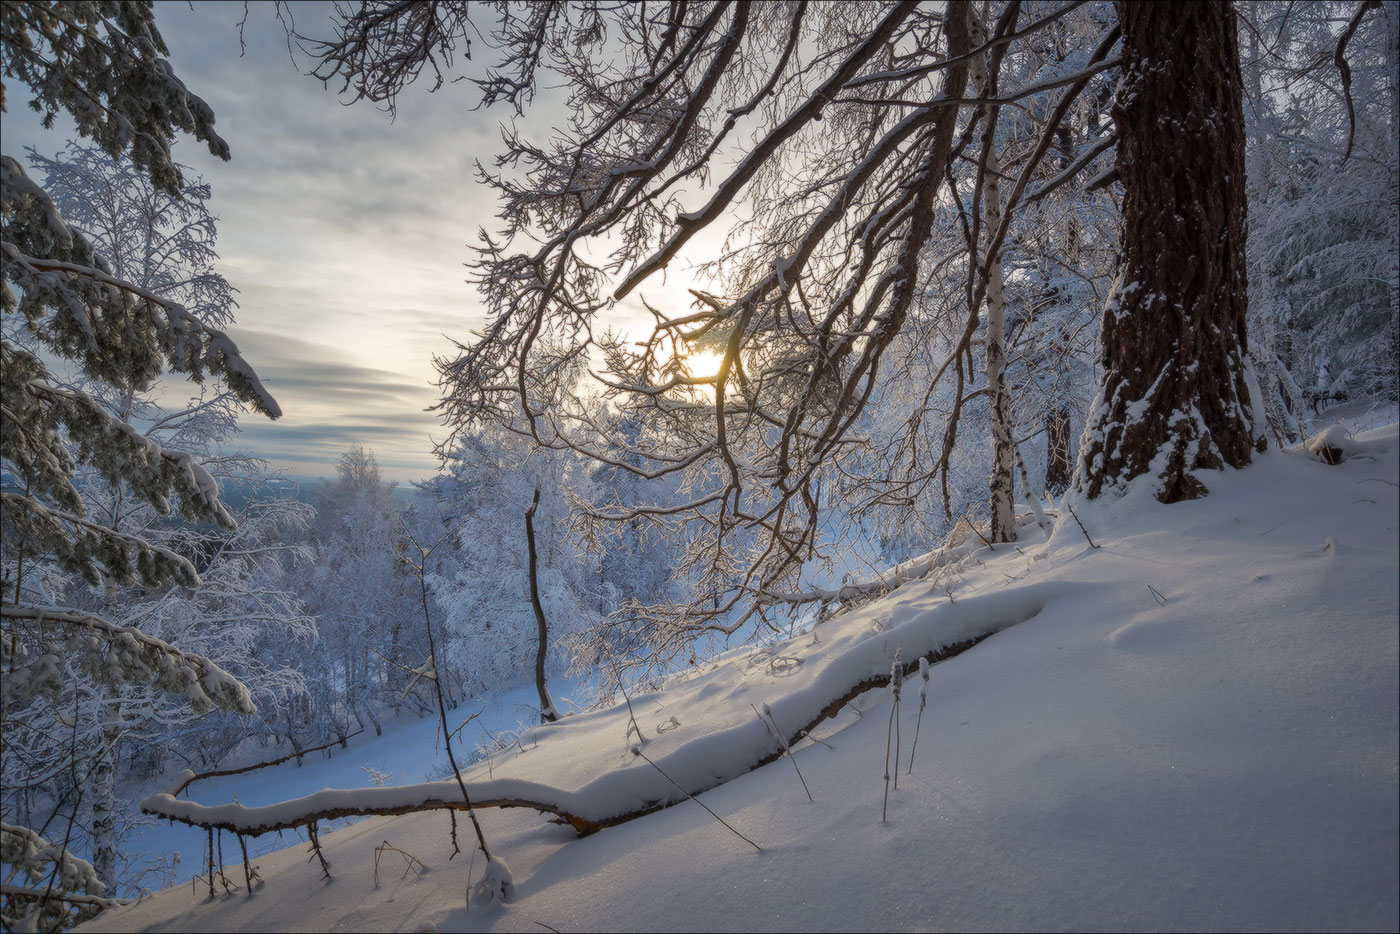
x,y
896,680
918,724
896,688
637,751
767,711
1081,525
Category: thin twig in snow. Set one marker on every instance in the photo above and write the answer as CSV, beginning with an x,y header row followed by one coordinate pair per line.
x,y
1081,525
786,748
630,713
1279,526
919,723
637,751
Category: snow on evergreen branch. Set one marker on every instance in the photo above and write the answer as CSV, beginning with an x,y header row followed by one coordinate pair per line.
x,y
114,655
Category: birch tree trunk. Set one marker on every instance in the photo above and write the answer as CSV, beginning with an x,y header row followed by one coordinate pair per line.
x,y
1178,393
1002,483
104,807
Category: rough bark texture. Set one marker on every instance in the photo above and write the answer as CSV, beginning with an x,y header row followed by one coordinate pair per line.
x,y
1059,472
1176,395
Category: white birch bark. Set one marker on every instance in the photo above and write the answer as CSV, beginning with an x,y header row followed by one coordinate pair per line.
x,y
1002,484
104,808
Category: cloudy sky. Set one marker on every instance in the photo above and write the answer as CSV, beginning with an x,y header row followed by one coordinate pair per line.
x,y
344,232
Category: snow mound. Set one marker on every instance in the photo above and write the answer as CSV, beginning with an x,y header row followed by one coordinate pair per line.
x,y
1195,725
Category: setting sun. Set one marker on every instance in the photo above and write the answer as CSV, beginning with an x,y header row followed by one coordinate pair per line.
x,y
703,362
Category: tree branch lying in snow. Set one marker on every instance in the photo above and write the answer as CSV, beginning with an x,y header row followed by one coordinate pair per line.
x,y
606,795
911,570
330,803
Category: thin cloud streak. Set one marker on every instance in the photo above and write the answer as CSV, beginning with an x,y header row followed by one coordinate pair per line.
x,y
332,401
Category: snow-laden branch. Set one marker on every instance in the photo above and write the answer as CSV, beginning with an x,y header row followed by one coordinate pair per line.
x,y
77,284
115,654
222,353
74,898
331,803
36,857
80,545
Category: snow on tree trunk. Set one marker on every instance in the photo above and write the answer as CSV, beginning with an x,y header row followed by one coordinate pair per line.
x,y
1002,484
1177,393
104,808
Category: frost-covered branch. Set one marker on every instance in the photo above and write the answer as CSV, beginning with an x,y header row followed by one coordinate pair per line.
x,y
114,654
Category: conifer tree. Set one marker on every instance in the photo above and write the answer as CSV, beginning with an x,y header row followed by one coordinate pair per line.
x,y
61,300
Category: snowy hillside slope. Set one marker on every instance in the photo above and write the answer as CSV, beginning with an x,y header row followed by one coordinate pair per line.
x,y
1192,726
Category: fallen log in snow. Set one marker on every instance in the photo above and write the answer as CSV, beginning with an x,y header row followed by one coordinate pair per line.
x,y
825,670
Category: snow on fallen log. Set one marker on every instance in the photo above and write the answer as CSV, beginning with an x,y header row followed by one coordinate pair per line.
x,y
960,544
597,782
330,803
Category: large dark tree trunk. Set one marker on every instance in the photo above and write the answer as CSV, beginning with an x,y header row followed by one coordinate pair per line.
x,y
1177,388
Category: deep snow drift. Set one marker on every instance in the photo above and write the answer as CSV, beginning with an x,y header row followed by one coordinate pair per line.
x,y
1192,726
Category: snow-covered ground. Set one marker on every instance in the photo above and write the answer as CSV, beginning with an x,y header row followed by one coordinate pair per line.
x,y
409,751
1191,727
